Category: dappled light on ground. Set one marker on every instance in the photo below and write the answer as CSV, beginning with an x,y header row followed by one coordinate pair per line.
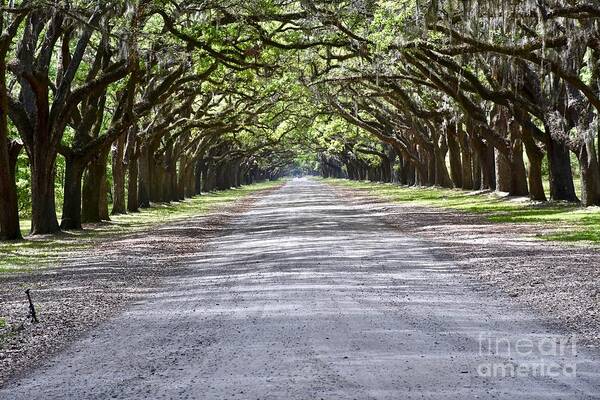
x,y
310,296
113,264
561,280
50,250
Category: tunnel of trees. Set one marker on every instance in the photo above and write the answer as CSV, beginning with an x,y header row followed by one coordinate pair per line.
x,y
108,107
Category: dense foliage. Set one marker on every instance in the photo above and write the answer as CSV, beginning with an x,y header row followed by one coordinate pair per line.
x,y
125,103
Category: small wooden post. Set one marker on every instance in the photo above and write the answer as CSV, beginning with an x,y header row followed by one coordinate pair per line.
x,y
32,313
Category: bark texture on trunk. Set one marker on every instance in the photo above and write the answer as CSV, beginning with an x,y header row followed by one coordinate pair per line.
x,y
454,152
561,175
590,174
503,172
94,203
118,174
133,202
467,162
43,205
519,173
10,228
71,211
143,171
535,155
486,158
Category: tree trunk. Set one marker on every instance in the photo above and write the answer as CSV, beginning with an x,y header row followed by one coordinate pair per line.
x,y
10,228
144,177
182,178
193,180
467,160
590,174
491,166
456,168
156,178
43,205
198,173
441,177
209,179
90,210
220,176
94,206
561,175
411,174
103,200
502,162
485,154
170,177
534,174
133,203
503,172
517,167
476,160
402,171
118,173
131,161
71,211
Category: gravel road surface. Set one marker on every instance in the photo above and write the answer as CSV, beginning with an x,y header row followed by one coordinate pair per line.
x,y
311,296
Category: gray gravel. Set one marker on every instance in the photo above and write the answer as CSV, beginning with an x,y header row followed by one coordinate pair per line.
x,y
311,296
559,281
89,286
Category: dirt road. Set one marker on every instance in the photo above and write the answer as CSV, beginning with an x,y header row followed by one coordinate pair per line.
x,y
309,296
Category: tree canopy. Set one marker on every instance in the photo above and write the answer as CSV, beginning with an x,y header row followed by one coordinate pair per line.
x,y
123,103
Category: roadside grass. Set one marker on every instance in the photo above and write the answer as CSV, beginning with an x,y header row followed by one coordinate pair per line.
x,y
574,223
40,252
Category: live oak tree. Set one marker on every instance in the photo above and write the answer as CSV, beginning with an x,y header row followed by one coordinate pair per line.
x,y
10,22
49,95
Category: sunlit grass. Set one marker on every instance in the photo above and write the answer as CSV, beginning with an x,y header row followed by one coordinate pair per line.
x,y
580,224
40,252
